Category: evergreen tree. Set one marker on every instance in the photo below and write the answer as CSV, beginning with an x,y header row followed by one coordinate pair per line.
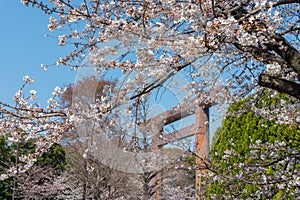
x,y
235,149
54,159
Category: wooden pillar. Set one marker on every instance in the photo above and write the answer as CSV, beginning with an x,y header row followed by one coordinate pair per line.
x,y
202,147
157,127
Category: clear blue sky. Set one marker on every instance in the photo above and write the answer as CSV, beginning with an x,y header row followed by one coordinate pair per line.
x,y
23,48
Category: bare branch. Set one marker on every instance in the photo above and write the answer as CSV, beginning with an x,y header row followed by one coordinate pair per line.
x,y
280,84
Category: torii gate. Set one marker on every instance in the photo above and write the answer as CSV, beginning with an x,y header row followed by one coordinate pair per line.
x,y
200,129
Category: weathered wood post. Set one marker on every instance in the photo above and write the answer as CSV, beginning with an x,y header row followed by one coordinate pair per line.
x,y
202,147
157,128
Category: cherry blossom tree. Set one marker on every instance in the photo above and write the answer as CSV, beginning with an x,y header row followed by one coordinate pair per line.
x,y
42,180
27,121
248,39
224,48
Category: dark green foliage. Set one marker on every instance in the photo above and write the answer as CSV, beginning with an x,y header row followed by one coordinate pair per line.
x,y
5,186
54,158
240,130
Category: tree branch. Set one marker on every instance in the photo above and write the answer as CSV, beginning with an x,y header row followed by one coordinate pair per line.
x,y
286,51
280,84
261,54
283,2
160,81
